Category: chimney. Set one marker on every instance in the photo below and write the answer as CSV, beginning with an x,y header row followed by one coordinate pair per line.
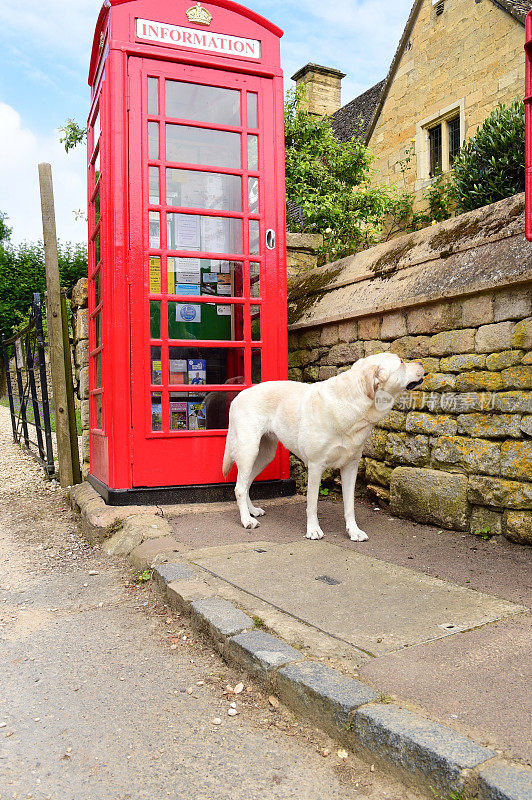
x,y
324,88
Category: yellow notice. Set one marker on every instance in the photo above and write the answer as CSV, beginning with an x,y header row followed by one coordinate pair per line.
x,y
155,274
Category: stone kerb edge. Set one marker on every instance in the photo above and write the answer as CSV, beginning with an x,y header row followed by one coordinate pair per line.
x,y
416,748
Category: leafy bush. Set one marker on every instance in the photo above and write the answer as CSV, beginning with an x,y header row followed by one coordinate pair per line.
x,y
22,272
491,165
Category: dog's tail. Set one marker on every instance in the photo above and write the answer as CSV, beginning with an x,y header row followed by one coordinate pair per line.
x,y
228,458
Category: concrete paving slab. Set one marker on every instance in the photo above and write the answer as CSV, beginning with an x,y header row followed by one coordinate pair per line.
x,y
375,606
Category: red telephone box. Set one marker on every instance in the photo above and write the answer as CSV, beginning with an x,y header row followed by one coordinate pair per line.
x,y
528,128
187,254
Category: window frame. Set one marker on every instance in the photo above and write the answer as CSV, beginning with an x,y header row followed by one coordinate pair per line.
x,y
441,118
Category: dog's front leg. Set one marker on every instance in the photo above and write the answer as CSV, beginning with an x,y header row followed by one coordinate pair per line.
x,y
349,477
315,471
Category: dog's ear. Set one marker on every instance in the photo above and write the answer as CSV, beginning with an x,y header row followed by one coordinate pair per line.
x,y
374,376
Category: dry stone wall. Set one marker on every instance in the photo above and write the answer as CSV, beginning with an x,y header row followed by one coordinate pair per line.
x,y
456,453
80,327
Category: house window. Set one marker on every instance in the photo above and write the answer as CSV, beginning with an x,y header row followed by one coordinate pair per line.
x,y
435,151
453,127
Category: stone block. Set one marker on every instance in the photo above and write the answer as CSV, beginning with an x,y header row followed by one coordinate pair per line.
x,y
485,522
180,594
295,374
372,347
434,318
375,444
345,353
85,445
84,414
517,402
479,381
82,324
259,653
477,311
527,358
459,453
494,337
218,618
81,353
327,372
404,449
463,362
135,530
418,745
322,695
377,472
430,496
80,294
430,364
501,781
517,526
348,331
163,574
516,460
369,328
310,338
311,374
504,359
522,335
411,347
512,304
329,335
517,377
298,358
83,390
393,325
431,424
499,492
489,425
526,425
451,342
462,403
394,421
153,552
438,382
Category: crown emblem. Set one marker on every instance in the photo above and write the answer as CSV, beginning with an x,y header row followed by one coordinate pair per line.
x,y
199,15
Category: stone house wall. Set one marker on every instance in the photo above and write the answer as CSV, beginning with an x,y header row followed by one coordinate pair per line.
x,y
481,46
456,453
80,327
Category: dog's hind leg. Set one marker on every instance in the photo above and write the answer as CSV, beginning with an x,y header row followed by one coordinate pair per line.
x,y
267,449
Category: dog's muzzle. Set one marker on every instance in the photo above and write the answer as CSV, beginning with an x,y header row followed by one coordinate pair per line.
x,y
413,384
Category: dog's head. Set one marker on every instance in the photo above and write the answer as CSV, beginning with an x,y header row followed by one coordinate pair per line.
x,y
385,376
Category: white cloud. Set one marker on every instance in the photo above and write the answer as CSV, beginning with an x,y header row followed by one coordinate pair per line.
x,y
21,150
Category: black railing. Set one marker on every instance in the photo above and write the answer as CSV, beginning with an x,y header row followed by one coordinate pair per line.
x,y
25,364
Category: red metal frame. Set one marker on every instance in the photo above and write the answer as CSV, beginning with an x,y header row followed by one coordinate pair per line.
x,y
125,451
528,127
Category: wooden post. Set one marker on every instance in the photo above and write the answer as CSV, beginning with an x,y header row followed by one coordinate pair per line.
x,y
55,329
76,472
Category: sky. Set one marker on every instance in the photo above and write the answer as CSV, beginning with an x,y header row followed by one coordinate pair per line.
x,y
44,57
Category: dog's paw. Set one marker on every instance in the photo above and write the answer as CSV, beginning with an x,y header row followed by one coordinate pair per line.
x,y
356,535
253,523
314,533
255,511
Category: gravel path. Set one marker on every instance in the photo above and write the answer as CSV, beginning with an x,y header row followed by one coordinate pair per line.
x,y
108,695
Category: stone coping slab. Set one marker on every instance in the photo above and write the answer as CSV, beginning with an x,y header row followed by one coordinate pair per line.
x,y
501,781
260,653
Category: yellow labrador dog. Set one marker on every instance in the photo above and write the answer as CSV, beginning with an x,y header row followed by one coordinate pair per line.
x,y
325,424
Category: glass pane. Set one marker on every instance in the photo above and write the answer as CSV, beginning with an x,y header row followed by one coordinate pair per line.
x,y
155,274
253,152
202,103
97,330
188,145
98,370
99,411
97,167
205,276
153,140
153,181
97,253
153,96
255,324
454,138
254,279
156,412
254,236
97,208
256,369
209,234
435,151
210,365
155,361
155,229
208,321
205,411
252,110
253,195
192,189
97,288
155,319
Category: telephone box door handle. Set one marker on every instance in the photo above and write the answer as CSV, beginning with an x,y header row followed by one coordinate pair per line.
x,y
270,239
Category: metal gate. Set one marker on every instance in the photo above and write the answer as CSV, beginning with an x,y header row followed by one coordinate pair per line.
x,y
25,366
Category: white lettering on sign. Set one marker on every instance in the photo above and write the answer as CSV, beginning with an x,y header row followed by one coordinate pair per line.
x,y
222,44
